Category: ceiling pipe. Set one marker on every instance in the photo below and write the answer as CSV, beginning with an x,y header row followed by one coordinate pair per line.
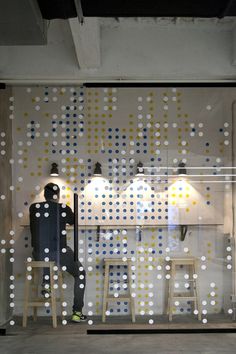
x,y
120,82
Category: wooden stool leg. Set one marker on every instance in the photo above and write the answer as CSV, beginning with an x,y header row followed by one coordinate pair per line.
x,y
35,290
171,290
192,287
132,305
61,291
168,287
26,297
53,298
197,294
166,297
105,293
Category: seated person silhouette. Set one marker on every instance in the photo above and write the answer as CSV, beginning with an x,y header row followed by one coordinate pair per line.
x,y
48,238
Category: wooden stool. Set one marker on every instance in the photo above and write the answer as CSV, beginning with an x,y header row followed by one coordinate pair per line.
x,y
107,297
189,296
32,278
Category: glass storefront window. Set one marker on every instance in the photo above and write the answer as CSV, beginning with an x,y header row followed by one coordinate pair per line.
x,y
154,172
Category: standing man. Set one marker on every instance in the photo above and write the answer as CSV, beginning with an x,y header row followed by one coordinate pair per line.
x,y
48,238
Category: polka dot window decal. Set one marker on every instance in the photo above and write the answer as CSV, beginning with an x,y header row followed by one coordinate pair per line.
x,y
139,217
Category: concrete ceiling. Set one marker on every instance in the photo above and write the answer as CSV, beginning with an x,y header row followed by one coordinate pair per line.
x,y
114,49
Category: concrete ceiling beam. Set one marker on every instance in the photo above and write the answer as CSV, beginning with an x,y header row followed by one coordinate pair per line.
x,y
86,37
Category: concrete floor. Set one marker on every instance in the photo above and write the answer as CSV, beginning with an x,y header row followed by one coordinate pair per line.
x,y
102,344
40,338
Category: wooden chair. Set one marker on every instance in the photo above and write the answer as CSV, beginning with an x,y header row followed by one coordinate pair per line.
x,y
193,294
108,297
32,283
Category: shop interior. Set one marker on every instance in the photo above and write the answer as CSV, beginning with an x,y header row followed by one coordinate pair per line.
x,y
152,169
117,176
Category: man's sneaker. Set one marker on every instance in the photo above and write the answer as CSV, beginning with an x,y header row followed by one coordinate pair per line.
x,y
46,291
78,317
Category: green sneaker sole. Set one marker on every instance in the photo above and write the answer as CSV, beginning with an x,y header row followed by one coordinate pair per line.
x,y
75,319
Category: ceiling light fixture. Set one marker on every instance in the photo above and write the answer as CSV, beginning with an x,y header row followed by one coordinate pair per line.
x,y
140,169
182,169
54,170
97,170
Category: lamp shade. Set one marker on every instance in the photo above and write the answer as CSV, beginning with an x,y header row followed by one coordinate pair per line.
x,y
140,169
54,170
97,169
182,169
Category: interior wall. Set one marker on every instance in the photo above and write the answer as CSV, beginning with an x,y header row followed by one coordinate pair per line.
x,y
5,205
76,127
